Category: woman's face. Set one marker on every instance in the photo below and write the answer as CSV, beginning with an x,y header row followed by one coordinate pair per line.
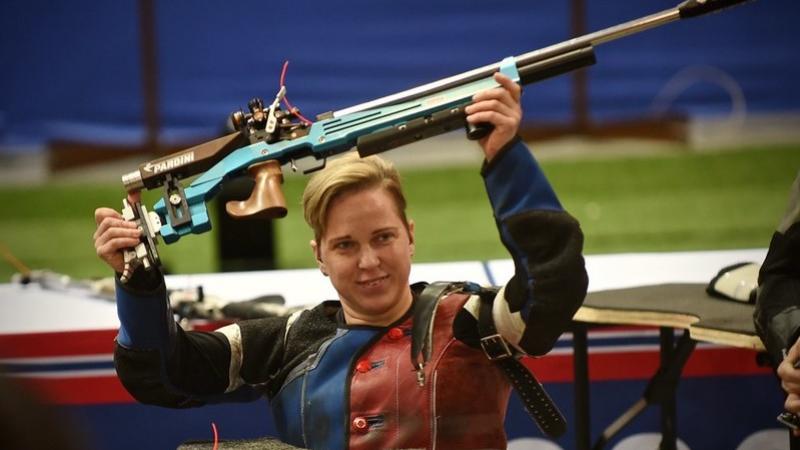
x,y
366,251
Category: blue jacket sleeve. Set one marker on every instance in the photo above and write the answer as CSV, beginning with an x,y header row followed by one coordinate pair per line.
x,y
161,364
145,316
545,243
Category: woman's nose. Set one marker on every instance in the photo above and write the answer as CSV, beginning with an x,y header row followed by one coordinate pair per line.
x,y
368,258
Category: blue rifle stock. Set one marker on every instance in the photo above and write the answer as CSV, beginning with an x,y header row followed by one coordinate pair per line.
x,y
268,138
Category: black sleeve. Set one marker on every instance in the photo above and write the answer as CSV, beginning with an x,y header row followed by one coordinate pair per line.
x,y
777,313
550,283
199,367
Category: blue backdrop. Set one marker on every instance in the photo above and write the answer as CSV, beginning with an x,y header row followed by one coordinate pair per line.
x,y
71,70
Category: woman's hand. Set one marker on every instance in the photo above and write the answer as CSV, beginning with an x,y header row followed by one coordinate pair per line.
x,y
114,234
501,108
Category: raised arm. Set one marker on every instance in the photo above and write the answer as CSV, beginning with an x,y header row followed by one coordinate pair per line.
x,y
544,241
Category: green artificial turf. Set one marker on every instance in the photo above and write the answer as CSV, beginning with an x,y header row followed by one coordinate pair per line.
x,y
681,201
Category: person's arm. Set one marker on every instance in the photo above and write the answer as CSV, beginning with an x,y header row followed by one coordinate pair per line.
x,y
777,313
157,361
545,243
160,363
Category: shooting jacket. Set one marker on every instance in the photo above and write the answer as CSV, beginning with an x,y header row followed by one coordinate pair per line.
x,y
334,386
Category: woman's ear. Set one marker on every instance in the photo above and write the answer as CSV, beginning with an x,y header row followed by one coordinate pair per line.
x,y
411,235
318,256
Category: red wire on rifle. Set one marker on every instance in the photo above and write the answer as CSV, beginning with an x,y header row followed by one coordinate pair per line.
x,y
286,99
216,435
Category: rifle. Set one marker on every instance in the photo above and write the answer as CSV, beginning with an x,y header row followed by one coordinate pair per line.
x,y
268,137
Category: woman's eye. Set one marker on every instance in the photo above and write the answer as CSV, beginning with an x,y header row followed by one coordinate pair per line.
x,y
343,245
385,237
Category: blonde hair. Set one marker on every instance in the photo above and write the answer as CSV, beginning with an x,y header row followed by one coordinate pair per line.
x,y
349,174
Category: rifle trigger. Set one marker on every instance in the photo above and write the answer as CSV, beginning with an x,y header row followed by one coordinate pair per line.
x,y
316,169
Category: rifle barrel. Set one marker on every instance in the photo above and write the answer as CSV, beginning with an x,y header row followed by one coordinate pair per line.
x,y
591,39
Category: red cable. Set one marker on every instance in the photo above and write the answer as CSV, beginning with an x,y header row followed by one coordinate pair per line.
x,y
283,72
216,435
286,99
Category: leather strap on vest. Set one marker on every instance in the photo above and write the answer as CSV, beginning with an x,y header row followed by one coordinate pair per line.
x,y
422,326
537,403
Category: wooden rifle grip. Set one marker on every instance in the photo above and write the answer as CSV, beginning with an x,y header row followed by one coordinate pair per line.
x,y
267,200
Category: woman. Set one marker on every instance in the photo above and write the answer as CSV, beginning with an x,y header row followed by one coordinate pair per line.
x,y
388,365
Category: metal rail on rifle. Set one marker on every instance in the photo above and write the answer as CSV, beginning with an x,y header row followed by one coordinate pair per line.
x,y
268,136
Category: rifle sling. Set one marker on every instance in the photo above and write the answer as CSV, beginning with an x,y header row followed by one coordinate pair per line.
x,y
538,403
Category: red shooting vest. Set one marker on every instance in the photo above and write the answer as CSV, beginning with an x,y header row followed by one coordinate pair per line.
x,y
461,406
